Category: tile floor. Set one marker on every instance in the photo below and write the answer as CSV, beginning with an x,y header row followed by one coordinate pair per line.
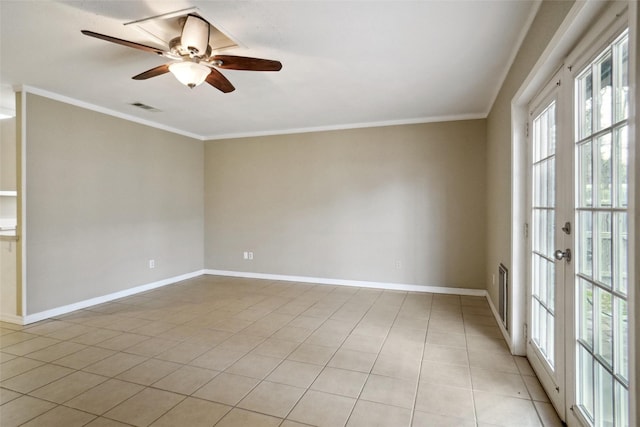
x,y
239,352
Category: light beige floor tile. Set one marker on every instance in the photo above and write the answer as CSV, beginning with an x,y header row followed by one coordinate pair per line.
x,y
152,347
154,329
446,326
145,407
25,347
5,357
314,406
22,409
293,373
444,354
505,411
353,360
445,400
479,319
231,325
184,352
364,343
218,359
493,361
95,336
8,395
85,357
35,378
241,418
308,322
309,353
411,322
122,342
289,423
293,333
273,347
57,351
326,339
340,381
548,414
148,372
402,347
450,340
61,417
406,366
179,333
186,380
193,413
424,419
208,337
272,399
174,324
371,414
105,422
105,396
115,364
489,331
68,387
444,374
254,365
122,323
17,366
227,388
535,389
389,391
9,339
499,383
243,342
371,331
483,343
523,366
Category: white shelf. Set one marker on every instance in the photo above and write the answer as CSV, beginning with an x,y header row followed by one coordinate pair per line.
x,y
9,193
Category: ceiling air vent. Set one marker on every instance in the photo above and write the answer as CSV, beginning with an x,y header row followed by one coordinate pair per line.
x,y
145,107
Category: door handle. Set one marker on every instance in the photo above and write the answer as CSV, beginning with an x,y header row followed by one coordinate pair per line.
x,y
560,254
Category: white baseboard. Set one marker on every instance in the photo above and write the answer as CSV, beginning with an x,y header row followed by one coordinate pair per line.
x,y
11,318
503,329
359,283
36,317
58,311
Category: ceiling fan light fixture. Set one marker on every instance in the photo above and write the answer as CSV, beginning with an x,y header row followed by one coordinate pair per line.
x,y
190,74
195,35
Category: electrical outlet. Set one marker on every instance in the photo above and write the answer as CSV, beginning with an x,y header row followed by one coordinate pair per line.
x,y
152,263
245,255
251,256
398,265
493,281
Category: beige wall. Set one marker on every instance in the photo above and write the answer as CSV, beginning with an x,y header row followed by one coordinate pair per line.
x,y
104,196
399,204
8,154
548,19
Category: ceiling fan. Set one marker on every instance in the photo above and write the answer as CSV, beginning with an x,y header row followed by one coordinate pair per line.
x,y
192,60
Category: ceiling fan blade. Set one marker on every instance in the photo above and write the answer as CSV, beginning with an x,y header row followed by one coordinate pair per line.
x,y
154,72
231,62
122,42
220,82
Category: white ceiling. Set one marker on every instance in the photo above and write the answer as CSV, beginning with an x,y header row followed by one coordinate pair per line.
x,y
345,63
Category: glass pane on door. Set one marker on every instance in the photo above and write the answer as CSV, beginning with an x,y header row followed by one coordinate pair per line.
x,y
543,232
601,153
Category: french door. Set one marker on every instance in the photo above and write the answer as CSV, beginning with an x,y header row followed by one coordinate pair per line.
x,y
547,218
577,299
601,143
